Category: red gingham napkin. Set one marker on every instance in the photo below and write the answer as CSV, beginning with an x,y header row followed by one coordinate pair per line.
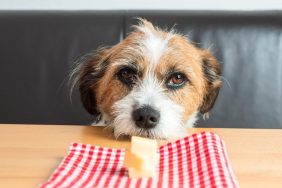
x,y
199,160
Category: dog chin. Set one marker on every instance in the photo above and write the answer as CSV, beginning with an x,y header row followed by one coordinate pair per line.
x,y
169,126
121,126
126,127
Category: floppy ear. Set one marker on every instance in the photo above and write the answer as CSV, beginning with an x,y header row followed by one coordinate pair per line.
x,y
89,69
212,73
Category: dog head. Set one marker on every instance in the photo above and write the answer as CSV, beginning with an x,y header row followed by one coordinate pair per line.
x,y
153,83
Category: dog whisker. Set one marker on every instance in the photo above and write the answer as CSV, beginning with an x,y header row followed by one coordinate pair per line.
x,y
225,79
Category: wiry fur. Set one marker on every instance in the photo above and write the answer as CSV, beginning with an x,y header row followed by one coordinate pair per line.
x,y
154,54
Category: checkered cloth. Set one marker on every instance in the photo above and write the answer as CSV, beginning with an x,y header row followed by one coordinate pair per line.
x,y
199,160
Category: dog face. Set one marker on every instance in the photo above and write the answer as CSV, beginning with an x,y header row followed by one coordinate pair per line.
x,y
153,83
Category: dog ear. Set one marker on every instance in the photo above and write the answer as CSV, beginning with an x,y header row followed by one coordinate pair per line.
x,y
212,73
88,70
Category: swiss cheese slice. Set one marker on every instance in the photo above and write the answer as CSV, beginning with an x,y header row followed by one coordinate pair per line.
x,y
142,158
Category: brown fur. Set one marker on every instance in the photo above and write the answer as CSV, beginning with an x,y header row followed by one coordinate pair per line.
x,y
200,67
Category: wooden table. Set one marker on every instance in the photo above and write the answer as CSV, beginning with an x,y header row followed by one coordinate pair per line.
x,y
30,153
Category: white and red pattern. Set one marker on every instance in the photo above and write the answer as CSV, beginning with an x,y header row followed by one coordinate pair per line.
x,y
199,160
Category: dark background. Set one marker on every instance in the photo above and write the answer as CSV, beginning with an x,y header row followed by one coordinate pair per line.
x,y
38,48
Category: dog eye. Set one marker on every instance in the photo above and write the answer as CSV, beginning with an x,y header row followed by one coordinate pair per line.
x,y
176,80
127,76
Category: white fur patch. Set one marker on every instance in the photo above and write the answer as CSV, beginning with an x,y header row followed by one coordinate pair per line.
x,y
154,46
192,120
149,92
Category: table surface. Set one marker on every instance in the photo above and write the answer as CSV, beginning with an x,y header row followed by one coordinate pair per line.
x,y
30,153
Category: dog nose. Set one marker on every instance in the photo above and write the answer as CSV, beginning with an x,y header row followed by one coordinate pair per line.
x,y
146,117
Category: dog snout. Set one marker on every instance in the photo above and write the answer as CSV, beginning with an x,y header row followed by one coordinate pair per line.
x,y
146,117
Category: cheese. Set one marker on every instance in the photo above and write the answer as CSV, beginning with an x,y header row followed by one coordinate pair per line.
x,y
140,145
142,158
133,173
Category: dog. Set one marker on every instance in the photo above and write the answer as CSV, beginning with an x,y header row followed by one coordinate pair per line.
x,y
154,83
